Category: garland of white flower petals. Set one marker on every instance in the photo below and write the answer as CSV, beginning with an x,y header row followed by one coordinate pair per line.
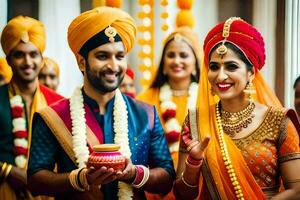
x,y
165,97
19,126
120,126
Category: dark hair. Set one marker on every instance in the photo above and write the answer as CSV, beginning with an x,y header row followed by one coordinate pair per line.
x,y
240,54
160,79
296,82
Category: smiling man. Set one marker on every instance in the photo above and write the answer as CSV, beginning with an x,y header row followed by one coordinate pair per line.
x,y
23,41
98,113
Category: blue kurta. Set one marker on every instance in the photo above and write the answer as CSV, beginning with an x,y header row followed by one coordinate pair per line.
x,y
146,138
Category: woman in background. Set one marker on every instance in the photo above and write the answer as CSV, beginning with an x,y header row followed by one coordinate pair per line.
x,y
49,74
174,88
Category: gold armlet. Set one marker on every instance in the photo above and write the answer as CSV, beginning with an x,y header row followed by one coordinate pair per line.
x,y
292,181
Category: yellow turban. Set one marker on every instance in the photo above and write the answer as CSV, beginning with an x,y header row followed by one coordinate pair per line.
x,y
91,22
24,29
50,62
5,70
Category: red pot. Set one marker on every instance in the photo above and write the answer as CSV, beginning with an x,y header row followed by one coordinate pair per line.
x,y
106,155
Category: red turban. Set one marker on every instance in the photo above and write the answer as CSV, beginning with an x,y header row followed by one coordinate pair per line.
x,y
241,34
130,73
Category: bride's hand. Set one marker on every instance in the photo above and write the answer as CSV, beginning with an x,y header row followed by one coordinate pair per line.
x,y
196,149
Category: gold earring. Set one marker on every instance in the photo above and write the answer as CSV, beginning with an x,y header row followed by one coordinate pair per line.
x,y
250,89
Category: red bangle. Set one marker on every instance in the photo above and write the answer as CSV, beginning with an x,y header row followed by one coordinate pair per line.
x,y
139,175
194,161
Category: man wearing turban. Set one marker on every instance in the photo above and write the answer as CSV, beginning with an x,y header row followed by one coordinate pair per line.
x,y
67,132
127,86
23,41
49,74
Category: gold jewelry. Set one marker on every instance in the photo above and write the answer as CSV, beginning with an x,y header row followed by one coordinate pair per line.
x,y
292,181
250,89
110,32
225,155
222,49
7,171
73,178
193,166
187,184
3,168
178,37
194,143
233,123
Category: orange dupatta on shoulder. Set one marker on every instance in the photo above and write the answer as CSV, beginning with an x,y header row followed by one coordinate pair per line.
x,y
215,164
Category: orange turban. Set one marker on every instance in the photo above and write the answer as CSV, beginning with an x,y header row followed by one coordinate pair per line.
x,y
189,36
50,62
91,22
25,29
5,70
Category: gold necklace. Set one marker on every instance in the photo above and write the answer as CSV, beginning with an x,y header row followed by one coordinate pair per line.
x,y
225,155
233,123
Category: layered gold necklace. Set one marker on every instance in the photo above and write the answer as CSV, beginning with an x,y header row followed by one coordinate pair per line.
x,y
233,123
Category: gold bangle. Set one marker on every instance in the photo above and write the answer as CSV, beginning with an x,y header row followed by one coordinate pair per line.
x,y
187,184
7,171
3,168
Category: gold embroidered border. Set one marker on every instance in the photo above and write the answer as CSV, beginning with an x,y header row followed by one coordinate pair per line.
x,y
59,130
288,157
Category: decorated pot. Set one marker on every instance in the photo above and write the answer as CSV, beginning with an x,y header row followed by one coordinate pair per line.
x,y
107,155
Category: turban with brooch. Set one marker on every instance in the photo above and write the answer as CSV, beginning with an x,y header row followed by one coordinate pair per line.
x,y
84,30
242,35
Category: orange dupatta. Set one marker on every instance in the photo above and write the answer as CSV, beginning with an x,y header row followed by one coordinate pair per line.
x,y
207,126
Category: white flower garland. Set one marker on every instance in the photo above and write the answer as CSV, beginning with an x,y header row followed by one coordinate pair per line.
x,y
165,97
19,124
120,126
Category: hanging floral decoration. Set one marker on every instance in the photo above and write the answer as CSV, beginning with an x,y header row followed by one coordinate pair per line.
x,y
185,16
114,3
19,131
146,41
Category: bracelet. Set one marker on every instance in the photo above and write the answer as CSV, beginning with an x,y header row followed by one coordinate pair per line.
x,y
187,184
194,143
194,161
74,180
8,169
139,175
145,177
193,166
3,168
83,180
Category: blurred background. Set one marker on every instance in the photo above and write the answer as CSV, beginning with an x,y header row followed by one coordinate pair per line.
x,y
277,20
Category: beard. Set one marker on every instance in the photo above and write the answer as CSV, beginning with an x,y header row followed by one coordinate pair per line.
x,y
98,81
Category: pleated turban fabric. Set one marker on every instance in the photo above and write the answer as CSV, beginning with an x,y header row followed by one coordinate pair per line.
x,y
23,29
242,35
92,22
